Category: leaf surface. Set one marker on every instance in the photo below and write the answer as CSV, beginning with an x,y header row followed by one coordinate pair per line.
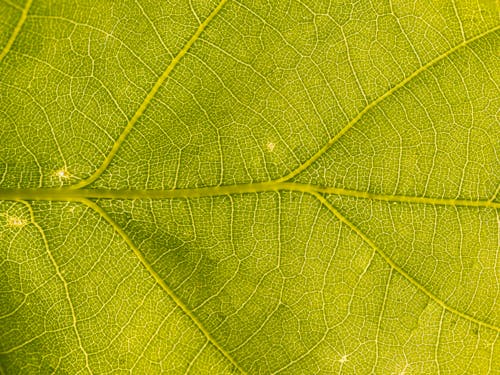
x,y
248,187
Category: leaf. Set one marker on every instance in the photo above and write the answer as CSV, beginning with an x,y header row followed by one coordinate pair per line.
x,y
290,187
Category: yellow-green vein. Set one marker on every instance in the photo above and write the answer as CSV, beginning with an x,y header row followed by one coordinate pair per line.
x,y
451,202
68,194
495,194
398,269
61,277
17,29
158,279
374,103
147,100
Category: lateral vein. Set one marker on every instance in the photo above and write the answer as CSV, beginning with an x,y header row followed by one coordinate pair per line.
x,y
147,100
397,268
159,280
374,103
17,29
63,280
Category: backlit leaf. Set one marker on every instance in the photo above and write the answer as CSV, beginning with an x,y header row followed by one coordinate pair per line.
x,y
295,187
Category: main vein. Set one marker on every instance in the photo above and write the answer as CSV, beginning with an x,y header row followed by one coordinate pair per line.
x,y
147,100
69,194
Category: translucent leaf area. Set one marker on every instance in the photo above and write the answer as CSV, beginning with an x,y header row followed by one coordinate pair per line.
x,y
258,187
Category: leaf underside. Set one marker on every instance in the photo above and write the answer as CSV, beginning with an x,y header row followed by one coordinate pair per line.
x,y
296,187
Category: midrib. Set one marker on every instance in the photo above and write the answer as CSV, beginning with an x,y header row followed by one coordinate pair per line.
x,y
71,194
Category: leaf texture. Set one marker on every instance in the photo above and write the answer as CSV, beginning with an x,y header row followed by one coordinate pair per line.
x,y
293,187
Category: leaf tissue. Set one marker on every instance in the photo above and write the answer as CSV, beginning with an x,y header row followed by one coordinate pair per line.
x,y
258,187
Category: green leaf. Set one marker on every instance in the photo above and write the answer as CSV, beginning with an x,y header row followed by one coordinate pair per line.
x,y
296,187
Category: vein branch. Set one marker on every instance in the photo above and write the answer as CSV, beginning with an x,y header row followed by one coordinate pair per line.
x,y
374,103
495,194
63,280
17,29
158,279
397,268
147,100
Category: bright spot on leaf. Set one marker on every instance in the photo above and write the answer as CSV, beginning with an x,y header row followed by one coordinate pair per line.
x,y
62,174
15,221
270,146
343,359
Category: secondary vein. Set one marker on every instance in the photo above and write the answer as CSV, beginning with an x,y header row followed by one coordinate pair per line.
x,y
64,282
147,100
397,268
17,30
159,280
374,103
